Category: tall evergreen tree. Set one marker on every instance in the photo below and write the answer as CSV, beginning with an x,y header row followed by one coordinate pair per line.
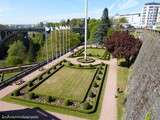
x,y
103,27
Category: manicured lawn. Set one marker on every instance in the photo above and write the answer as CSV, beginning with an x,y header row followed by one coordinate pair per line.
x,y
96,51
123,73
69,83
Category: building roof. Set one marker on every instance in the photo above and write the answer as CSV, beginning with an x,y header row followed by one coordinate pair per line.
x,y
152,3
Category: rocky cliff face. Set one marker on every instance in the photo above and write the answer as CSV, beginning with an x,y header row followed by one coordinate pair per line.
x,y
144,82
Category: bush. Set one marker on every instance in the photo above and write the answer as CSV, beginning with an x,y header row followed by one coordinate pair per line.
x,y
70,64
68,102
89,54
54,67
49,99
102,64
92,95
95,85
48,72
31,95
30,84
100,72
17,93
98,78
87,106
79,65
12,94
40,77
90,65
64,60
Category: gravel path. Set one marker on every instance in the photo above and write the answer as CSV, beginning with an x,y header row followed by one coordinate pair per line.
x,y
109,107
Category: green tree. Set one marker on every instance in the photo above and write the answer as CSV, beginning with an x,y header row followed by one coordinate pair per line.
x,y
122,20
103,27
93,25
16,53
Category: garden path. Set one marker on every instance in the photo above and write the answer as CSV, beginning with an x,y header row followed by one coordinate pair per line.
x,y
109,107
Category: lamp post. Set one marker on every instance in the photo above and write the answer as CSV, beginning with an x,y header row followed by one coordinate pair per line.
x,y
86,18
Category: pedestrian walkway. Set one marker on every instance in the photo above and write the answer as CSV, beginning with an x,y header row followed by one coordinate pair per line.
x,y
109,105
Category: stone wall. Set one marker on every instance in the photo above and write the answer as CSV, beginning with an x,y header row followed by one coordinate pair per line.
x,y
144,82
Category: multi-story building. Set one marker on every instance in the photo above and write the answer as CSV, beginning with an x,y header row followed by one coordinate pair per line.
x,y
150,15
133,19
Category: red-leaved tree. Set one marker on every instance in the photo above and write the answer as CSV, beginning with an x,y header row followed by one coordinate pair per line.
x,y
123,45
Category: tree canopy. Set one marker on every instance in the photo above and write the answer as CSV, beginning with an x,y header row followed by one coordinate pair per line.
x,y
16,53
123,45
103,27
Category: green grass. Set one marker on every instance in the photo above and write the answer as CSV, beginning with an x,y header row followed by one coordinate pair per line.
x,y
121,83
91,116
2,63
96,51
9,75
67,83
148,116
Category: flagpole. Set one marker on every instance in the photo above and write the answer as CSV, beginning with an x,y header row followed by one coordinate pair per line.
x,y
86,17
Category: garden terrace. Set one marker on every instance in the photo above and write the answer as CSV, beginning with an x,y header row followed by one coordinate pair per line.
x,y
65,90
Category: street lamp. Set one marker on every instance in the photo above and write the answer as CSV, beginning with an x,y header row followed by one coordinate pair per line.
x,y
86,18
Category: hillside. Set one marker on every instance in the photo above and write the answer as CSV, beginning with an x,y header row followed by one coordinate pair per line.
x,y
144,83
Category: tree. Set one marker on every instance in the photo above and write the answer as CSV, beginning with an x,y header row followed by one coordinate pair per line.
x,y
93,25
103,27
16,53
123,45
122,20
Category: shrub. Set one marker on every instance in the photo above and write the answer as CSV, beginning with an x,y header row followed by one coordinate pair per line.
x,y
64,60
70,64
48,72
98,78
49,99
90,65
102,64
17,93
68,102
60,63
31,95
100,72
92,95
40,77
79,65
54,67
89,54
87,106
98,55
30,84
95,85
12,94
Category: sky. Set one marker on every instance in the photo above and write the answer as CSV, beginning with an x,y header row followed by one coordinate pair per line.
x,y
35,11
